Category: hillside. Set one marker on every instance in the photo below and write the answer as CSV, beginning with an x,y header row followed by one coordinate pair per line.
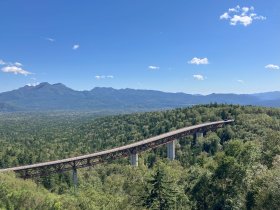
x,y
236,167
46,97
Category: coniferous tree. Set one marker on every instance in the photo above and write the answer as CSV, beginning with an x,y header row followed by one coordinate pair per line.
x,y
161,191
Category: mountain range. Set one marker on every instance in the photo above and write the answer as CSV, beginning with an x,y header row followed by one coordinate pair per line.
x,y
55,97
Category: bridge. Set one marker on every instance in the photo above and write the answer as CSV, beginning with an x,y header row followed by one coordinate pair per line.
x,y
130,150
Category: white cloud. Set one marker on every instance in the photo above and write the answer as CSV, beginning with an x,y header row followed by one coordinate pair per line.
x,y
50,39
76,46
154,67
198,77
99,77
244,20
10,63
225,16
243,16
199,61
104,77
240,81
18,64
272,66
259,17
236,9
33,84
245,10
2,62
15,70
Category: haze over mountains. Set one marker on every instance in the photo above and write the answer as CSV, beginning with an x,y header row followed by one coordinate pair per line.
x,y
47,97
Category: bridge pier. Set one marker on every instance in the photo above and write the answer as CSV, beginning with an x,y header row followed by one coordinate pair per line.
x,y
171,150
134,159
198,135
75,178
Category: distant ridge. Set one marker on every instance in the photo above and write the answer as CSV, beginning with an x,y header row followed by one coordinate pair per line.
x,y
53,97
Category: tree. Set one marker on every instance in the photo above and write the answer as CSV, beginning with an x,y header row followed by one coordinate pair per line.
x,y
161,191
201,190
226,184
226,134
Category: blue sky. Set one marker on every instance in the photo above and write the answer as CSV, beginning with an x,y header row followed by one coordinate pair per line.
x,y
176,46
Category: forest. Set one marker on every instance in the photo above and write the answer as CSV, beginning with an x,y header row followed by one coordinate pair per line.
x,y
235,167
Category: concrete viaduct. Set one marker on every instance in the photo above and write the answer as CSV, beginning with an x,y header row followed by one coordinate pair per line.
x,y
130,150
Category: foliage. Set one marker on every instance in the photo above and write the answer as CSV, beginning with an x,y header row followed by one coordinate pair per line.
x,y
235,167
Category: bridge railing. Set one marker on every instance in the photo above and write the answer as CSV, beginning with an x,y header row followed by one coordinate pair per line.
x,y
132,150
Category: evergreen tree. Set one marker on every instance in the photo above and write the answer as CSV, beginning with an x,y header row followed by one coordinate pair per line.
x,y
161,191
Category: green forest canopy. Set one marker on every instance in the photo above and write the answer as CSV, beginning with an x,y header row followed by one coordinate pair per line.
x,y
236,167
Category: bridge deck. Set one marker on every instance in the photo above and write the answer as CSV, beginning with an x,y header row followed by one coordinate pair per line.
x,y
119,149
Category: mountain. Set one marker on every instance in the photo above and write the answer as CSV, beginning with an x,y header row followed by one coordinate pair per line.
x,y
268,96
46,97
271,99
5,107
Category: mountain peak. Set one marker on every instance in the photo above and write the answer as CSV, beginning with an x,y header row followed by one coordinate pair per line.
x,y
46,88
59,85
103,88
46,85
43,84
34,86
